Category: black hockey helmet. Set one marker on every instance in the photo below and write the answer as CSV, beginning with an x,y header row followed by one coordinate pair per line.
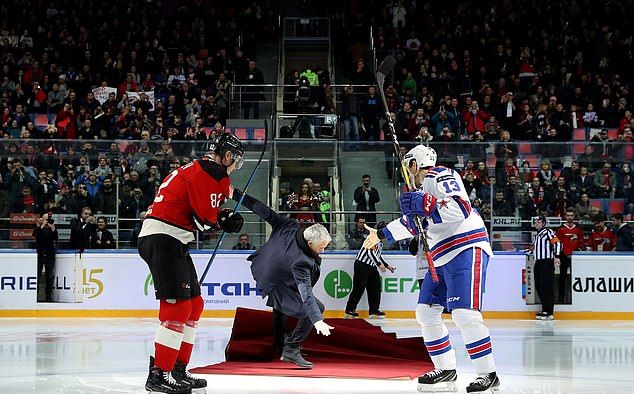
x,y
228,142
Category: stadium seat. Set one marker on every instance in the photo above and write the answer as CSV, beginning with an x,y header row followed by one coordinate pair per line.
x,y
41,121
616,206
203,54
579,135
259,134
525,147
596,202
240,133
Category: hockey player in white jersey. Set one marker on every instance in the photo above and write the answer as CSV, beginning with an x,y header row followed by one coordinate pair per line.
x,y
460,250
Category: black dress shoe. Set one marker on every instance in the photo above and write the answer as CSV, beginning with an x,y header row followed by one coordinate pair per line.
x,y
292,355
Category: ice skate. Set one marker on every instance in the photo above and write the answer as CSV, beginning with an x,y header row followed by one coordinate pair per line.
x,y
438,381
487,383
181,374
350,315
159,381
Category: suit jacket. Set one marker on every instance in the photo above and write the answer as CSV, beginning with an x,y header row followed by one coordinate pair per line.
x,y
624,239
284,268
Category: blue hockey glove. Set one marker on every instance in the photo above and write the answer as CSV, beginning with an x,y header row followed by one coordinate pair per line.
x,y
417,203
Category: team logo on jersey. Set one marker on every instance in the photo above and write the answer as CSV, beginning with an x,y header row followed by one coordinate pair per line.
x,y
338,284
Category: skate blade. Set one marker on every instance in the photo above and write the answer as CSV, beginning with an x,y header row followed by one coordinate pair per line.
x,y
377,317
442,387
346,316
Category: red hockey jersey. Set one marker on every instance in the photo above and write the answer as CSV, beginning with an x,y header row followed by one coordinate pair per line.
x,y
572,239
602,241
191,193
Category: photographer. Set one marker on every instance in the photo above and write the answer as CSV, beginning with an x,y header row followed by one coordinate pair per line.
x,y
46,235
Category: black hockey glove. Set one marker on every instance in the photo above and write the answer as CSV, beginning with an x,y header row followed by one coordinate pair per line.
x,y
229,221
413,246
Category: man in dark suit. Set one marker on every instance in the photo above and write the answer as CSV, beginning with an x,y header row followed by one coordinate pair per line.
x,y
366,197
285,270
623,233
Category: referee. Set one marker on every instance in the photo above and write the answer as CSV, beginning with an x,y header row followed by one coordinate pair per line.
x,y
546,247
367,264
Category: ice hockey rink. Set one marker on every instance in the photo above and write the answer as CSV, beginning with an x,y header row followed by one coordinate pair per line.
x,y
81,355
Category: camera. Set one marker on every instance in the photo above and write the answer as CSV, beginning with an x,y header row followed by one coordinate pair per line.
x,y
51,221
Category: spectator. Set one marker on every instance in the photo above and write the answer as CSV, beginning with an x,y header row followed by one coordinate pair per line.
x,y
134,204
243,243
365,198
605,182
585,182
106,198
358,234
46,237
501,207
103,238
601,239
252,95
371,109
82,230
350,113
623,234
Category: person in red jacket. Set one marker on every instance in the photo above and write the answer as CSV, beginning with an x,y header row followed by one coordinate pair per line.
x,y
572,239
601,239
190,197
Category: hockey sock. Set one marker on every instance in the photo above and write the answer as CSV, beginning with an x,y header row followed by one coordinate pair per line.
x,y
169,335
436,336
476,339
189,330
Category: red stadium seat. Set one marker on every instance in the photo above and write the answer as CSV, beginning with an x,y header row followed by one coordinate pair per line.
x,y
491,160
616,206
533,159
578,147
525,147
596,202
41,120
241,133
259,134
203,54
579,135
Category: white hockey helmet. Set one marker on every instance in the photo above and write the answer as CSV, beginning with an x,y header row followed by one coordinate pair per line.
x,y
424,156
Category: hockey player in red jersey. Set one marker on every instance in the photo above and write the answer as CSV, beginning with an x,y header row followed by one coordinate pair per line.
x,y
602,238
189,197
572,239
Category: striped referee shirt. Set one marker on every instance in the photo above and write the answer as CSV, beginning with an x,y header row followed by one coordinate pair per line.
x,y
371,257
546,245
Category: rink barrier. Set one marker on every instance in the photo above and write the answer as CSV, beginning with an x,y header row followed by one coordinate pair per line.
x,y
107,284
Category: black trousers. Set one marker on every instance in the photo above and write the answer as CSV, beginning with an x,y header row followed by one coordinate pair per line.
x,y
545,283
565,281
299,334
366,277
47,262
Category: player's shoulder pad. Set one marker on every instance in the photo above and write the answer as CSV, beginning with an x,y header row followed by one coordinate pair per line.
x,y
213,169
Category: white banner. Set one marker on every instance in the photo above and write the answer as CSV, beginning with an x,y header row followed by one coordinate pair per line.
x,y
18,281
121,281
102,92
134,96
68,278
603,282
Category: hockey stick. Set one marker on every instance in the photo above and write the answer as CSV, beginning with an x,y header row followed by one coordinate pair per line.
x,y
244,193
384,69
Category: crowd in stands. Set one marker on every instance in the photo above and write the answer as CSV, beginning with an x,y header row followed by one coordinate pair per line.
x,y
493,72
115,71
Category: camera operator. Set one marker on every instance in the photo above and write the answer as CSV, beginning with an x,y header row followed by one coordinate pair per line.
x,y
46,235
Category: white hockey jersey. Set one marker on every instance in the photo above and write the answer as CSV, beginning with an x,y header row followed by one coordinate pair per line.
x,y
453,225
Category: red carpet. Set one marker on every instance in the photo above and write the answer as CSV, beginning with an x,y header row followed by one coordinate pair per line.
x,y
355,349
